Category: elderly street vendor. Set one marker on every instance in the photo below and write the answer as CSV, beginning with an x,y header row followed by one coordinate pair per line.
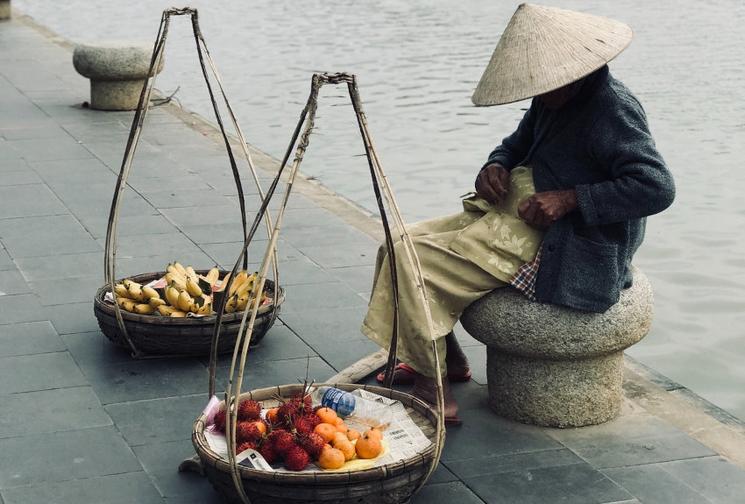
x,y
560,204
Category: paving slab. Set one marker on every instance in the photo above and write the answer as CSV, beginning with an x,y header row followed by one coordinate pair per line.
x,y
20,308
63,456
446,493
128,488
713,477
28,201
577,483
158,420
12,282
39,269
69,318
29,338
160,460
651,483
48,411
46,236
28,373
135,380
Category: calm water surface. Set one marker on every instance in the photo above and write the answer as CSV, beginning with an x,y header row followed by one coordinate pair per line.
x,y
418,62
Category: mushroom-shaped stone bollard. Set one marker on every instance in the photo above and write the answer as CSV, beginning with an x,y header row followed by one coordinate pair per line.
x,y
117,71
553,366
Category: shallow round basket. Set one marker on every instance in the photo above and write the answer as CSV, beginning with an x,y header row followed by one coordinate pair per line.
x,y
156,335
387,484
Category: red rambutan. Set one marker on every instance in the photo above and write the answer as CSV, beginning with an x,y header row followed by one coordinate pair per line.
x,y
247,431
269,452
249,410
247,445
219,421
312,443
288,412
296,459
282,441
307,423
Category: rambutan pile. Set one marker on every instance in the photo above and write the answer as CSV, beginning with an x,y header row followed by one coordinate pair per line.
x,y
287,433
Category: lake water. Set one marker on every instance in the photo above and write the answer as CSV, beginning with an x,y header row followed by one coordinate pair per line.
x,y
418,62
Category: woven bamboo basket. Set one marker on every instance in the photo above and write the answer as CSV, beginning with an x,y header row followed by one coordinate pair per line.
x,y
386,484
156,335
146,335
393,483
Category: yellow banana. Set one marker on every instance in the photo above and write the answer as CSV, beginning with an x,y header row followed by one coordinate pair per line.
x,y
172,295
135,292
178,314
184,301
205,309
179,267
128,305
166,310
175,278
121,291
239,279
242,302
144,309
230,306
150,293
192,287
212,276
156,302
190,273
127,283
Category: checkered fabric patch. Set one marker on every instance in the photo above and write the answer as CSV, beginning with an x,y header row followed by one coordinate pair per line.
x,y
525,278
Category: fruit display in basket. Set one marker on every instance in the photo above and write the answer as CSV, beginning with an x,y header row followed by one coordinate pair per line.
x,y
183,291
295,435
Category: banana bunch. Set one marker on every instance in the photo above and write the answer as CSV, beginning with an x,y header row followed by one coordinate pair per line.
x,y
187,292
136,298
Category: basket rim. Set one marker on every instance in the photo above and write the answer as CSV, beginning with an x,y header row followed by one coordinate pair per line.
x,y
337,477
101,305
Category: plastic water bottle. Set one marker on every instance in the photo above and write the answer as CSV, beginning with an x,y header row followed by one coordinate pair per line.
x,y
346,403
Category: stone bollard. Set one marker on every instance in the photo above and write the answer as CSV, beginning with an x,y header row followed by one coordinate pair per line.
x,y
117,72
4,9
552,366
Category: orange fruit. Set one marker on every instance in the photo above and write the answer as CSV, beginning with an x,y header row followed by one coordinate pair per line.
x,y
353,434
331,458
375,432
271,415
327,415
326,431
340,425
261,426
369,445
344,445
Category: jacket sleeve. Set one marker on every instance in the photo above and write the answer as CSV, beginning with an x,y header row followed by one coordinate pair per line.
x,y
638,182
515,147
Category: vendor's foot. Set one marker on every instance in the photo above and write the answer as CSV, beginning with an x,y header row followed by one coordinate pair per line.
x,y
426,389
404,374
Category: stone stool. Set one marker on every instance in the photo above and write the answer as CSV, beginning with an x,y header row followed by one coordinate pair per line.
x,y
117,72
4,9
553,366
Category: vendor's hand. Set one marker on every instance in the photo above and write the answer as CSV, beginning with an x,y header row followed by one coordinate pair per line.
x,y
492,183
544,208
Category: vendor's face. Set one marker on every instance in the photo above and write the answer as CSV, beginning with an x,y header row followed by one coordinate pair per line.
x,y
559,97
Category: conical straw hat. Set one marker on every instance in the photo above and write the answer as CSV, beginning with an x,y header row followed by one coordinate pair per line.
x,y
545,48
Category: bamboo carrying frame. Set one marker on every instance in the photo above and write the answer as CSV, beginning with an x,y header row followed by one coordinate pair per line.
x,y
205,60
374,485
